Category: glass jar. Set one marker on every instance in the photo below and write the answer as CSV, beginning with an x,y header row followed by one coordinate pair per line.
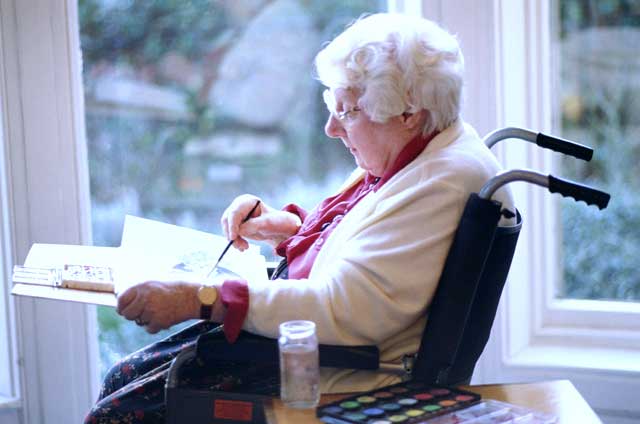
x,y
299,364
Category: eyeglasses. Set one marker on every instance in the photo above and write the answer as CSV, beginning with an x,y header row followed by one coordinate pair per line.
x,y
342,116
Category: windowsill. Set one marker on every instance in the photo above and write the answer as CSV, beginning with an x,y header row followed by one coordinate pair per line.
x,y
580,358
9,403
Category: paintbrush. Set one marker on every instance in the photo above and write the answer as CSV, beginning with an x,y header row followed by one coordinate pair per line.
x,y
246,218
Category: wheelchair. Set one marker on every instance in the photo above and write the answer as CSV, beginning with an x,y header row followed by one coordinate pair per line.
x,y
461,313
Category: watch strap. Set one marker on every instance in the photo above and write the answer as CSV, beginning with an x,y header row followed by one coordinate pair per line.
x,y
206,311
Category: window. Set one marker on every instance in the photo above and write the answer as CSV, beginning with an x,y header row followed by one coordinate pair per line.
x,y
505,45
189,104
598,104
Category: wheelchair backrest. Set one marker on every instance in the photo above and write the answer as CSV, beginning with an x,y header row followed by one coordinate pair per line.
x,y
464,306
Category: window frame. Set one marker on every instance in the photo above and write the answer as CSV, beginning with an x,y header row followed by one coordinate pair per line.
x,y
9,381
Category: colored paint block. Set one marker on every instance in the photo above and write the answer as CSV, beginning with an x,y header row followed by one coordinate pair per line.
x,y
408,403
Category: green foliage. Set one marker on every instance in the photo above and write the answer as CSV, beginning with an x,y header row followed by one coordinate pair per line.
x,y
601,248
141,32
580,14
333,16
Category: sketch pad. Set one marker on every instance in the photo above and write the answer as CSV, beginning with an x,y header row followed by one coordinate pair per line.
x,y
150,250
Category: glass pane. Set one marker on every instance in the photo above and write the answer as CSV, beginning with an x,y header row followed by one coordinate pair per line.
x,y
189,104
599,105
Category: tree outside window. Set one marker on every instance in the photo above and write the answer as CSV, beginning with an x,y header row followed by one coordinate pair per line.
x,y
189,104
599,105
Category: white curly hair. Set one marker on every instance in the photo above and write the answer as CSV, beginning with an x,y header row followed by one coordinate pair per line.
x,y
399,64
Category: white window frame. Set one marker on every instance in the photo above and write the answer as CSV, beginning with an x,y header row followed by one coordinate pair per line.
x,y
45,177
9,381
535,335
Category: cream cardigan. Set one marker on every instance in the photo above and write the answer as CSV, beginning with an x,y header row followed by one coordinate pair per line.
x,y
376,273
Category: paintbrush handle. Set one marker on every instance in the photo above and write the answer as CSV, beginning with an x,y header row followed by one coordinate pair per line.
x,y
224,252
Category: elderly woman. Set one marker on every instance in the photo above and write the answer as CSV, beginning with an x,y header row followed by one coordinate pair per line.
x,y
364,264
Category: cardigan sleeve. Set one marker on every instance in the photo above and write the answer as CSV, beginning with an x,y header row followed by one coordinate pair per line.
x,y
382,278
377,272
235,298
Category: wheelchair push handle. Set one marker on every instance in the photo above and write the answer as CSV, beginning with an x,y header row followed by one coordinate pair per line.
x,y
556,144
567,147
589,195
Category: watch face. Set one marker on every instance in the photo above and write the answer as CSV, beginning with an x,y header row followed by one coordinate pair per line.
x,y
207,295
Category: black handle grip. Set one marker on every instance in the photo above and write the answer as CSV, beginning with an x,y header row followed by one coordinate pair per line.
x,y
589,195
567,147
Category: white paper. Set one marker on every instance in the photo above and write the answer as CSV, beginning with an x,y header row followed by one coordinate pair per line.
x,y
150,250
155,250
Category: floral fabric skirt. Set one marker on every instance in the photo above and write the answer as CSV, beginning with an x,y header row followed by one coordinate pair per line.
x,y
133,390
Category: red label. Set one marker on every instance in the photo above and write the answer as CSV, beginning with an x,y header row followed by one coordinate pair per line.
x,y
232,410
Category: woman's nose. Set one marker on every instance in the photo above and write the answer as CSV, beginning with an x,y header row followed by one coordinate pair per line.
x,y
333,128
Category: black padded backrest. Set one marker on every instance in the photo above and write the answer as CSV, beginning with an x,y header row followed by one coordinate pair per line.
x,y
463,308
485,304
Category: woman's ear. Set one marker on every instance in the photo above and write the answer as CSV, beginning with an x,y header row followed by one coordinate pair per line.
x,y
415,121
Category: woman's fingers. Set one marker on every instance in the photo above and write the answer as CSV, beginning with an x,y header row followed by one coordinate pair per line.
x,y
130,303
265,223
224,222
258,228
153,328
125,298
274,226
237,211
240,244
157,305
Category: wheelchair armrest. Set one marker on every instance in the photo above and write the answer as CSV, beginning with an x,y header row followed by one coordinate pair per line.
x,y
251,347
355,357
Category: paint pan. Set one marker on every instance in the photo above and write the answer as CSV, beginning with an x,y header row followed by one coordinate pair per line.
x,y
408,403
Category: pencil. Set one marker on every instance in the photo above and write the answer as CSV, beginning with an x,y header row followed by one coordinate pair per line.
x,y
246,218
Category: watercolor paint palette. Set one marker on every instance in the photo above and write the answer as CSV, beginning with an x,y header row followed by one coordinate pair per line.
x,y
408,403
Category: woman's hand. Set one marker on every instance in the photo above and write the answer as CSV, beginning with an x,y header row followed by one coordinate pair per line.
x,y
158,305
266,223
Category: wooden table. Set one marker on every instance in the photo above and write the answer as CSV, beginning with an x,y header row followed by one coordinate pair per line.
x,y
555,397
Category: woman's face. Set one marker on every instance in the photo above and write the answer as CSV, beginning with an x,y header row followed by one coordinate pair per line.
x,y
375,146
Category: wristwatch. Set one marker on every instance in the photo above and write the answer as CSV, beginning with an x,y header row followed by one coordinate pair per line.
x,y
207,296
